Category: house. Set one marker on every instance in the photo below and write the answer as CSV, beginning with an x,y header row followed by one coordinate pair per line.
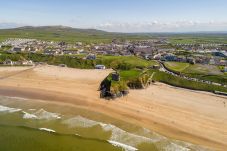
x,y
191,60
28,63
91,57
69,52
157,57
147,56
17,49
102,67
181,59
212,61
225,69
62,43
49,52
223,63
79,43
81,51
101,52
220,54
170,57
8,62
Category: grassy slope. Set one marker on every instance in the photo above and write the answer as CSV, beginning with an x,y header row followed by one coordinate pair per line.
x,y
124,62
180,82
203,69
58,33
204,72
177,66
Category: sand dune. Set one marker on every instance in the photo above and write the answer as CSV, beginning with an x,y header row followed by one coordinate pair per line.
x,y
196,117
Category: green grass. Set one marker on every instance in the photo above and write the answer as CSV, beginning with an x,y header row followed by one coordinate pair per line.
x,y
206,72
77,61
124,62
203,69
198,38
177,66
203,72
181,82
129,74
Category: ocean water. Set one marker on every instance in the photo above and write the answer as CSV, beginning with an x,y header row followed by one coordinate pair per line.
x,y
40,126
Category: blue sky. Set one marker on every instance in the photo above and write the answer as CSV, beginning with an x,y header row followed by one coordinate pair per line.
x,y
118,15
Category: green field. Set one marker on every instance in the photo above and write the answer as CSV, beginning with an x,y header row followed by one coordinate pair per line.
x,y
198,38
206,72
177,66
71,35
124,62
203,69
203,72
77,61
181,82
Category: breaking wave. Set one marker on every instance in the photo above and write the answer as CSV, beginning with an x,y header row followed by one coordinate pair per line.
x,y
118,135
41,115
5,109
129,141
124,146
47,130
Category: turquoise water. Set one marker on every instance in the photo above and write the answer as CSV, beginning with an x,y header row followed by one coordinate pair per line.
x,y
39,126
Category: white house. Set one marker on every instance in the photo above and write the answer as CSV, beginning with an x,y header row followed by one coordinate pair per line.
x,y
102,67
8,62
225,69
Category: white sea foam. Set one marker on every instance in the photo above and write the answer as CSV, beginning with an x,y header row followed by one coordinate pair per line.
x,y
122,136
79,121
14,98
47,129
41,115
124,146
176,147
118,135
29,116
6,109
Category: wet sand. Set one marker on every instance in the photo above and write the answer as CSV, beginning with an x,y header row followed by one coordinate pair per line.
x,y
191,116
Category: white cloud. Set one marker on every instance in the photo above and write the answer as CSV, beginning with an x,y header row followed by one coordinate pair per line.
x,y
157,26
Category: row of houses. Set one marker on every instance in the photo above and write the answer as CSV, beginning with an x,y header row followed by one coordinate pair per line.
x,y
201,59
9,62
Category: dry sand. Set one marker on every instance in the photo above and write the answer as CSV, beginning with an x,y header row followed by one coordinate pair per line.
x,y
192,116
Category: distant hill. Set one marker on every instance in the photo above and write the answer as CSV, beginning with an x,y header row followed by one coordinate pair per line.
x,y
63,33
60,29
71,35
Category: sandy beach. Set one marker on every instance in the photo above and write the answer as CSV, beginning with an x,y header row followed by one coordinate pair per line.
x,y
192,116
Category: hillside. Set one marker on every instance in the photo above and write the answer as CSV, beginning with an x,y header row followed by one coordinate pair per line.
x,y
63,33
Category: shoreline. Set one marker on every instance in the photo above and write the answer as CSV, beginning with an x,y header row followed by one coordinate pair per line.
x,y
144,110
